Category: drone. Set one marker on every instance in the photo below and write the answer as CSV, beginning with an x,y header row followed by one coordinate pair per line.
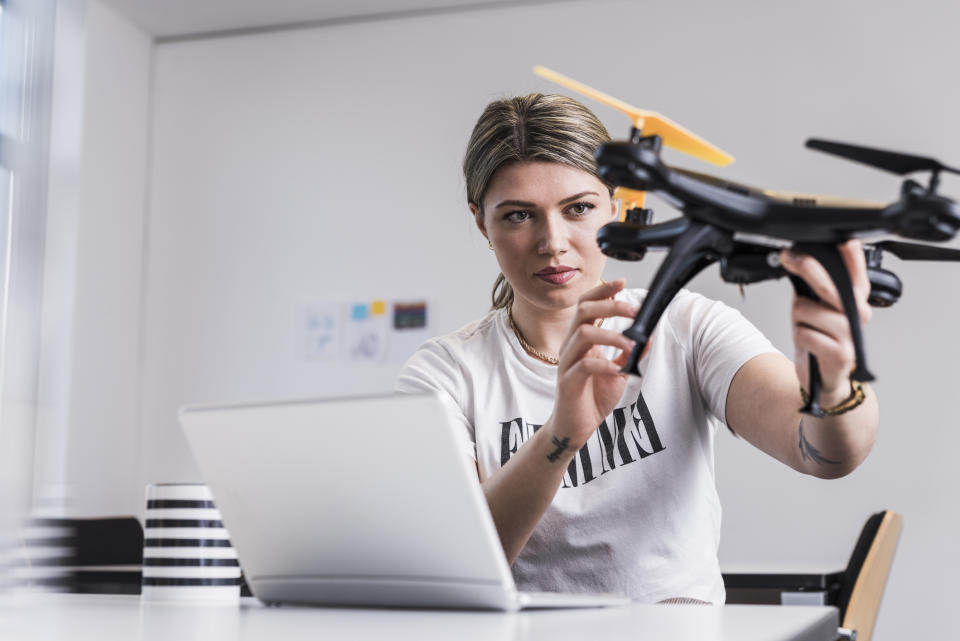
x,y
743,228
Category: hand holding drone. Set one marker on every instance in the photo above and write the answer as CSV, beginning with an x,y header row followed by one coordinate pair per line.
x,y
744,228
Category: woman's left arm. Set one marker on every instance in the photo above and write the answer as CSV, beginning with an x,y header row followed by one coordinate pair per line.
x,y
764,396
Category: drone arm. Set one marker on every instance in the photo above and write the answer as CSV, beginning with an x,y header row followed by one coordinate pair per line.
x,y
697,247
829,256
630,241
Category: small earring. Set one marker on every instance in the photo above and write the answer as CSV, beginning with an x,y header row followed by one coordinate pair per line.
x,y
490,244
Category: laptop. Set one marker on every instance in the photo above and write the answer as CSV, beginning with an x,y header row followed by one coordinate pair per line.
x,y
363,501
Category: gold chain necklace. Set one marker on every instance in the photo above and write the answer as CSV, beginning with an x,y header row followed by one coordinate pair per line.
x,y
530,349
527,347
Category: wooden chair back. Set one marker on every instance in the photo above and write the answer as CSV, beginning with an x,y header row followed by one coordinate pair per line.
x,y
866,574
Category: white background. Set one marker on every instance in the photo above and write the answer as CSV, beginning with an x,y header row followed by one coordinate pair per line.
x,y
227,180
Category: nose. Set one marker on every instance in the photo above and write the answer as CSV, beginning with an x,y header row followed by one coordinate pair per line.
x,y
555,237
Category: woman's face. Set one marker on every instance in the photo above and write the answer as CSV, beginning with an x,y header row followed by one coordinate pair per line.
x,y
542,218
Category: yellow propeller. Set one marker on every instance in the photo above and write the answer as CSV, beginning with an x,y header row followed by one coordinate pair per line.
x,y
629,199
648,122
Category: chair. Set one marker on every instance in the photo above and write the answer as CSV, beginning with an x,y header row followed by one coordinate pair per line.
x,y
866,575
856,591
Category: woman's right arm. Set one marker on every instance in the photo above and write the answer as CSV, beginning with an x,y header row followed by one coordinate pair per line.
x,y
588,388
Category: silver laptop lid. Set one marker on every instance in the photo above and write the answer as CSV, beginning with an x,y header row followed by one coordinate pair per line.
x,y
350,500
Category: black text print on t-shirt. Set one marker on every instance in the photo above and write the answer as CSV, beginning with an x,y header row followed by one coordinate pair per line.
x,y
626,436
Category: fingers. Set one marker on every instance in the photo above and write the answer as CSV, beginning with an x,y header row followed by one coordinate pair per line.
x,y
835,359
814,274
856,264
819,280
825,320
598,304
604,290
821,328
594,366
832,352
621,359
592,310
585,337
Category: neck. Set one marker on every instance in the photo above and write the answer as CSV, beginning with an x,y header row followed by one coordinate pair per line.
x,y
544,329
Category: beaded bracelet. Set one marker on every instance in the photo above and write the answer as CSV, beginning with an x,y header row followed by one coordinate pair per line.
x,y
857,397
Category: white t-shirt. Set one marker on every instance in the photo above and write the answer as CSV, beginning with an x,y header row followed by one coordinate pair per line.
x,y
638,511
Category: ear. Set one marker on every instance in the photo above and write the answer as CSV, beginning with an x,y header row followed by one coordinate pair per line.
x,y
614,205
478,219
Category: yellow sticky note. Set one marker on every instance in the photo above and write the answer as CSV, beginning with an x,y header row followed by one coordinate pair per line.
x,y
378,308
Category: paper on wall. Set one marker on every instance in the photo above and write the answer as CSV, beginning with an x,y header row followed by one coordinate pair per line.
x,y
367,327
320,331
364,331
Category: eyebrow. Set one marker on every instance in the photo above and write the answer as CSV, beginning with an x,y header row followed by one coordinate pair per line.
x,y
523,203
578,196
515,203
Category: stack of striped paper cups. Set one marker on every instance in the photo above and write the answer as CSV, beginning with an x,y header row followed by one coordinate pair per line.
x,y
187,555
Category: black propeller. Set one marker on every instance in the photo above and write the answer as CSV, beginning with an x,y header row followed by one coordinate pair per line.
x,y
892,161
914,251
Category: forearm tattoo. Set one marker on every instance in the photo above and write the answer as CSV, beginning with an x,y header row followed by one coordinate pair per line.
x,y
562,444
808,451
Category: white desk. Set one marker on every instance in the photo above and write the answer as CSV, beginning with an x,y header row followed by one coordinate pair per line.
x,y
67,617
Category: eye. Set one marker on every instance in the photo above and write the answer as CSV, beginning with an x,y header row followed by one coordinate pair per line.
x,y
581,209
517,216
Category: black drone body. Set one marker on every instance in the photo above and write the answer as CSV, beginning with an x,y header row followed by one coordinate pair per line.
x,y
743,228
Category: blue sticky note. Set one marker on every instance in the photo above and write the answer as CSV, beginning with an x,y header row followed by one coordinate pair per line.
x,y
359,312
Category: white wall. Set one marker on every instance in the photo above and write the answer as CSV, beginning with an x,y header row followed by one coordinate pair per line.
x,y
102,463
324,163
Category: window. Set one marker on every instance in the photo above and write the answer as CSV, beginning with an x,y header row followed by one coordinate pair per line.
x,y
26,72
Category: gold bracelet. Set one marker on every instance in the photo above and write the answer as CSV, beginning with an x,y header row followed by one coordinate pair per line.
x,y
857,397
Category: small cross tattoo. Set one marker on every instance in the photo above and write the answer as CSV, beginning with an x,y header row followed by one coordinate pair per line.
x,y
561,446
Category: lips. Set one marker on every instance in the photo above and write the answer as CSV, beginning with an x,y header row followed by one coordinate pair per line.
x,y
556,275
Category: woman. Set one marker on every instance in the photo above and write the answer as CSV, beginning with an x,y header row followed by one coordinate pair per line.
x,y
613,487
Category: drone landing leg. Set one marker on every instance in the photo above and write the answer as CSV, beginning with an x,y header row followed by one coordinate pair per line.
x,y
812,407
829,256
693,250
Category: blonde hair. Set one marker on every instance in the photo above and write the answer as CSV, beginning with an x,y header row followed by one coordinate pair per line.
x,y
535,127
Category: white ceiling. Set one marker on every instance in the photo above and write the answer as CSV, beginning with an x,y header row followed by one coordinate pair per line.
x,y
179,18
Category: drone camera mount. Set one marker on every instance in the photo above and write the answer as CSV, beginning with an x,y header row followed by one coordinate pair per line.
x,y
638,216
